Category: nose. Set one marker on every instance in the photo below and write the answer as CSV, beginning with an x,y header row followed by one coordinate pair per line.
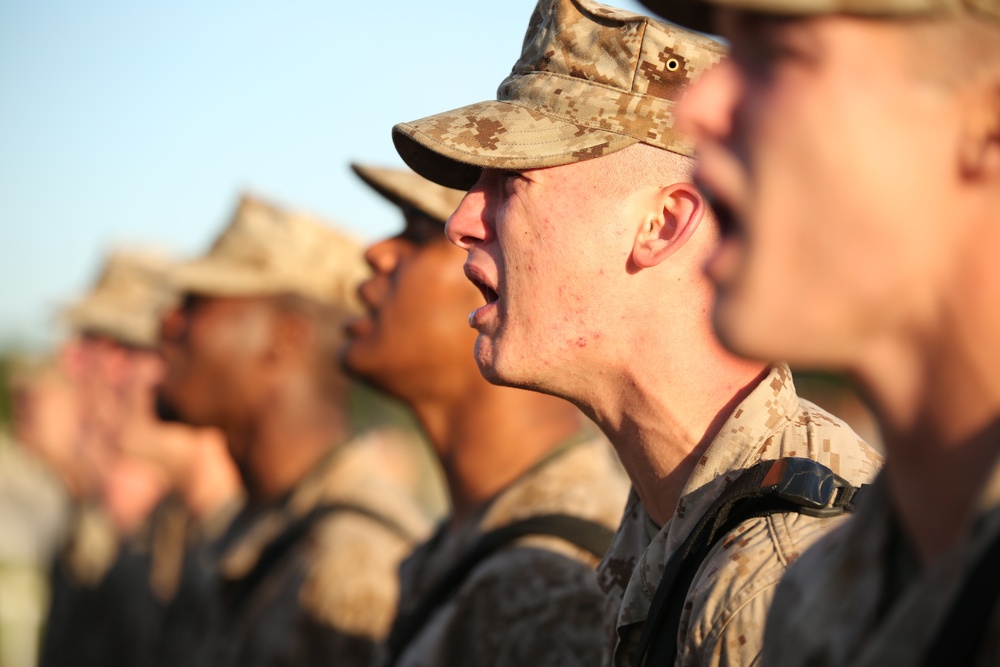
x,y
706,111
471,223
382,256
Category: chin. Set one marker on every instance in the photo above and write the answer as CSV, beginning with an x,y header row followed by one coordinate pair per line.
x,y
742,335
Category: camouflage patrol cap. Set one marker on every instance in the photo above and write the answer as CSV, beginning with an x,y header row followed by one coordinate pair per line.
x,y
696,14
407,189
127,299
591,80
269,251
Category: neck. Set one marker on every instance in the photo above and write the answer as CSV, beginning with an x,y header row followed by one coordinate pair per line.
x,y
489,436
661,413
276,446
938,400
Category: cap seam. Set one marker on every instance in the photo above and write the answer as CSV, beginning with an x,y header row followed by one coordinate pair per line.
x,y
635,63
591,82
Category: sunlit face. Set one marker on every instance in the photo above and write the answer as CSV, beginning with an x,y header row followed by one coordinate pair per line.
x,y
548,249
413,341
830,158
215,351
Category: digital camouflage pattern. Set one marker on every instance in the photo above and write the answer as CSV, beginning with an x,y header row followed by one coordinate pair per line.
x,y
266,250
322,593
723,619
835,601
535,602
591,80
408,190
127,299
697,14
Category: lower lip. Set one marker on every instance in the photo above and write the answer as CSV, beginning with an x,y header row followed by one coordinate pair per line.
x,y
479,316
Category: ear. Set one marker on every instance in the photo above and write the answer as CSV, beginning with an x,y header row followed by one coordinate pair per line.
x,y
292,336
980,147
673,218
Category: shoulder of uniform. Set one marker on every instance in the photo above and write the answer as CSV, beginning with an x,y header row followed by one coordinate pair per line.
x,y
812,432
732,591
527,574
522,606
351,580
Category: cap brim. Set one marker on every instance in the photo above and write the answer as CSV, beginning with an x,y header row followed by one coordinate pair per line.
x,y
406,189
119,321
212,277
453,148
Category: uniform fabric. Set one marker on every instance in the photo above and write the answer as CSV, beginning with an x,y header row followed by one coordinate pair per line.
x,y
330,597
723,619
591,80
102,611
843,602
535,602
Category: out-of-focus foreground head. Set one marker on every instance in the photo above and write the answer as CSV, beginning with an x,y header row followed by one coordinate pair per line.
x,y
269,296
412,341
698,14
579,182
851,150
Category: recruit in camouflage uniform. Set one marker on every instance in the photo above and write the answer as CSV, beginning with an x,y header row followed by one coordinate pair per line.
x,y
889,588
518,456
306,570
603,311
122,563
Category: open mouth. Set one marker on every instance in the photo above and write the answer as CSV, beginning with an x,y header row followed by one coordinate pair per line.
x,y
490,294
728,225
726,218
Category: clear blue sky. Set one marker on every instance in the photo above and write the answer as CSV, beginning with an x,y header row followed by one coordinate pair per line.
x,y
140,121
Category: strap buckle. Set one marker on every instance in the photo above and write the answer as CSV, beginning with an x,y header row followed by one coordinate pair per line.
x,y
813,487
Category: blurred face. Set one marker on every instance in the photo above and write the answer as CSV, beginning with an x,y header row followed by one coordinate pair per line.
x,y
216,354
545,247
828,157
413,341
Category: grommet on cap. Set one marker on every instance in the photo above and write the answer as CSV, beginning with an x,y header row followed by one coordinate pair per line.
x,y
673,64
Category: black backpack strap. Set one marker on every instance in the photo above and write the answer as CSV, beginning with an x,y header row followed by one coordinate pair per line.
x,y
960,637
585,534
279,547
770,487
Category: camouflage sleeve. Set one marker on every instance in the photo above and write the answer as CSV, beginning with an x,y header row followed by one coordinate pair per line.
x,y
730,603
526,606
737,641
